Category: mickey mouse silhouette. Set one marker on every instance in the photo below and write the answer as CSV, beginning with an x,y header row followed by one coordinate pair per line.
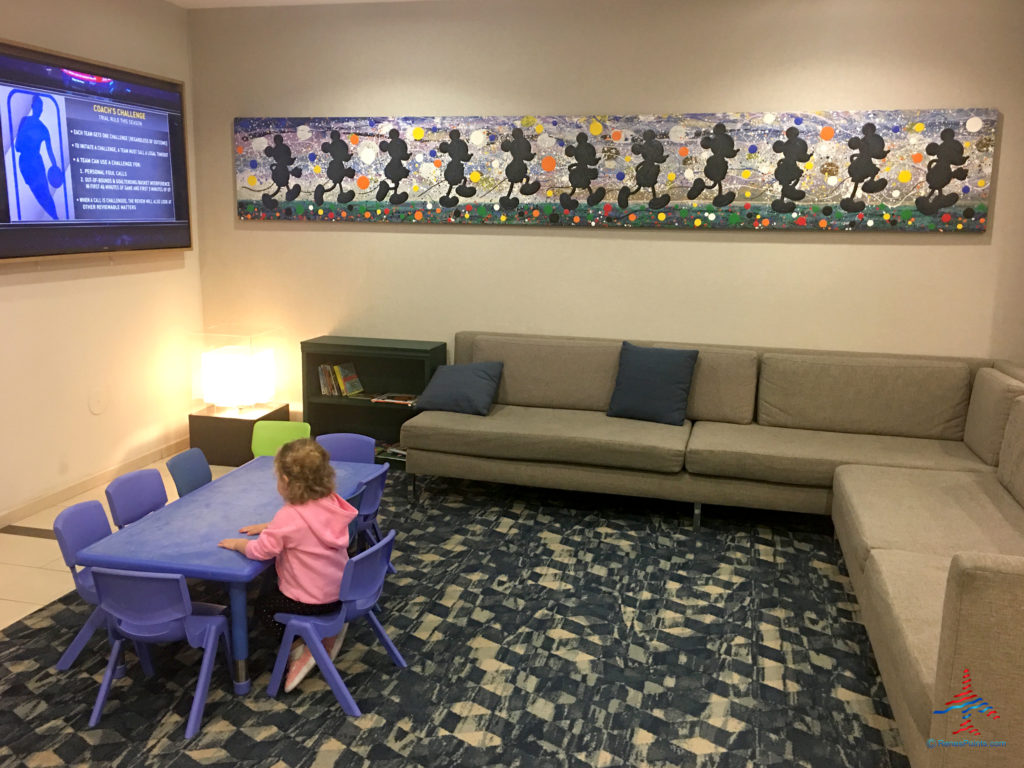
x,y
722,149
940,172
788,173
581,173
337,172
395,171
653,155
862,169
455,171
281,154
516,171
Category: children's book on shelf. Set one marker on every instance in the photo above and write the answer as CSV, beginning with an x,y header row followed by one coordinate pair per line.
x,y
348,381
328,384
399,398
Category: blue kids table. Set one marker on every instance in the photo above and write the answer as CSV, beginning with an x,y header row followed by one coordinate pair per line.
x,y
182,538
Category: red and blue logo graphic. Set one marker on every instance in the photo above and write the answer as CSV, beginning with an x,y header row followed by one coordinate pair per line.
x,y
970,704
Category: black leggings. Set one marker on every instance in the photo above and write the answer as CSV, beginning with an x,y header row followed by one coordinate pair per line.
x,y
272,601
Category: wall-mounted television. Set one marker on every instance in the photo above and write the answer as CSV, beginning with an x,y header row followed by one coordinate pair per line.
x,y
94,158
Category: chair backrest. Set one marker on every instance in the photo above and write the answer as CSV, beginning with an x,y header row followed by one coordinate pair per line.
x,y
268,436
147,606
363,579
134,495
76,528
349,446
373,493
189,470
355,500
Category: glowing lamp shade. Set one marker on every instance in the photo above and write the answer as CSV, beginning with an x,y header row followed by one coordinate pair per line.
x,y
237,376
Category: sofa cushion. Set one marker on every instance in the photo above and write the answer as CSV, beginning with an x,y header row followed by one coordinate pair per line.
x,y
724,386
809,457
1011,369
548,434
864,395
653,384
465,388
902,601
991,398
936,512
1011,455
553,372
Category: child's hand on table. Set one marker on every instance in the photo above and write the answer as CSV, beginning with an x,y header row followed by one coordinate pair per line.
x,y
253,530
236,544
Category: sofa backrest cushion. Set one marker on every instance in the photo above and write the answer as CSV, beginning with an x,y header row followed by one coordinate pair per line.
x,y
863,394
991,397
567,372
1011,455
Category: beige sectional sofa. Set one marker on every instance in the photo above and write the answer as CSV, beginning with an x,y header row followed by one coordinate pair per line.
x,y
926,486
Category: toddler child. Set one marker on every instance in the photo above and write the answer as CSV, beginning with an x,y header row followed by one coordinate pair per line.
x,y
309,538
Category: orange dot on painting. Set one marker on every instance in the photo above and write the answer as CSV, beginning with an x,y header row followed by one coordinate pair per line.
x,y
683,151
616,135
344,214
366,214
353,139
418,215
917,157
575,219
438,163
632,217
548,163
536,213
823,224
828,133
362,182
239,150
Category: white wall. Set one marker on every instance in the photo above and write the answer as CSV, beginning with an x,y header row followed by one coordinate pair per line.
x,y
94,332
863,291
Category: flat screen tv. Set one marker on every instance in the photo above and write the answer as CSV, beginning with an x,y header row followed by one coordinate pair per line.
x,y
94,158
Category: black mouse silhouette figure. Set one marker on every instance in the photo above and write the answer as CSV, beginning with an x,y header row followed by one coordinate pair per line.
x,y
940,172
455,171
862,169
281,154
722,149
647,172
787,170
395,170
516,171
337,171
582,173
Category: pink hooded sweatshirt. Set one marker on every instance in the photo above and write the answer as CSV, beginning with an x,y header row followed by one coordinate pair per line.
x,y
310,542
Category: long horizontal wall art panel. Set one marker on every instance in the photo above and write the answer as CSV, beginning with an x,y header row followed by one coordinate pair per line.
x,y
895,170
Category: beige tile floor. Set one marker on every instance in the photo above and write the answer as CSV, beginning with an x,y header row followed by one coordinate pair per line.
x,y
32,571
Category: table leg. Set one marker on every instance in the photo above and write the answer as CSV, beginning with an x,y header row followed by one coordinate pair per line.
x,y
239,637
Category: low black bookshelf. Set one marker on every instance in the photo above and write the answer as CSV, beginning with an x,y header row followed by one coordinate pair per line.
x,y
383,366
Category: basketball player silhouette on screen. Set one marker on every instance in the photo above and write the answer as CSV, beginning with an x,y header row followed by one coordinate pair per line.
x,y
32,135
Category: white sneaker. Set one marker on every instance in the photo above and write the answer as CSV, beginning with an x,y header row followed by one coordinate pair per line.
x,y
333,644
298,669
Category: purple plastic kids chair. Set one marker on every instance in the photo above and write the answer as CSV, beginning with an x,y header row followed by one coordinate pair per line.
x,y
349,446
156,608
361,585
134,495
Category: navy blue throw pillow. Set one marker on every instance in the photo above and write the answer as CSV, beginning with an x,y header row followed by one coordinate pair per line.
x,y
463,388
653,383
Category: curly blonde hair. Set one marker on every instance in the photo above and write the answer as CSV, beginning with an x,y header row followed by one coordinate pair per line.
x,y
306,468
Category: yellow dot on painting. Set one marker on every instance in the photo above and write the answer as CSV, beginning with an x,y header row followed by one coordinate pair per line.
x,y
251,181
628,158
417,133
904,176
918,127
967,144
415,187
378,211
746,174
474,176
465,215
671,177
747,193
504,217
551,193
661,216
538,128
886,216
959,226
528,121
981,182
595,128
320,212
317,169
696,222
809,165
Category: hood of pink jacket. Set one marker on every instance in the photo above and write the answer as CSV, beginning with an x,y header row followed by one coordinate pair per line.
x,y
327,520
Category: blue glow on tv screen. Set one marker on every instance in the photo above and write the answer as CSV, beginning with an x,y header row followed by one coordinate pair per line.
x,y
93,158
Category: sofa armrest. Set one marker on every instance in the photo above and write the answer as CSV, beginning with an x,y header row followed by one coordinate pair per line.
x,y
982,636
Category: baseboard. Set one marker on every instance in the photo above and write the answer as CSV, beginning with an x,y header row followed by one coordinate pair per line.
x,y
12,516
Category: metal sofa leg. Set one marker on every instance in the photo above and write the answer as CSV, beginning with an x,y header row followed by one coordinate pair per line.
x,y
696,516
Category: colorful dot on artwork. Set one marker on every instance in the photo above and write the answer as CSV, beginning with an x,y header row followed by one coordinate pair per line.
x,y
363,183
828,133
548,163
683,151
596,128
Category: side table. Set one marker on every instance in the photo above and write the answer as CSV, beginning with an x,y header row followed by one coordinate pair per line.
x,y
225,434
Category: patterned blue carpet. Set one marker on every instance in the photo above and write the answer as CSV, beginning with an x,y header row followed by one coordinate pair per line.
x,y
542,628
